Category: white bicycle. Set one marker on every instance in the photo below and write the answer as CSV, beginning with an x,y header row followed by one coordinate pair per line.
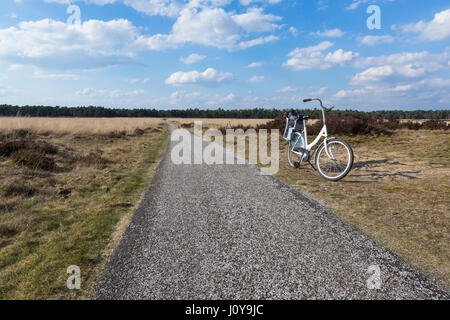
x,y
333,157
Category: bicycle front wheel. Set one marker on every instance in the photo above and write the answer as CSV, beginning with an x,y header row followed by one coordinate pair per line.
x,y
336,162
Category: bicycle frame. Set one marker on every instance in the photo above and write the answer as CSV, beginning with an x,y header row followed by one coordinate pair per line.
x,y
323,134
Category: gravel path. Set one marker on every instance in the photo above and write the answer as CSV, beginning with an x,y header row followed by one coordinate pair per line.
x,y
228,232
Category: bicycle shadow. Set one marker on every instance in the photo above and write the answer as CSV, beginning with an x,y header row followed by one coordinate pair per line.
x,y
376,170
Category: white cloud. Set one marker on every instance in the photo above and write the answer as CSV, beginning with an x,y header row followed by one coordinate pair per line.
x,y
132,81
340,56
230,97
294,31
434,30
376,40
254,20
374,74
109,94
333,33
255,65
155,7
401,78
423,90
248,2
138,80
314,58
287,89
50,43
208,77
407,64
317,91
256,79
39,74
256,42
183,97
192,58
213,27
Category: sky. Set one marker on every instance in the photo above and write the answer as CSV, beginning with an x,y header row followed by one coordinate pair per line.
x,y
175,54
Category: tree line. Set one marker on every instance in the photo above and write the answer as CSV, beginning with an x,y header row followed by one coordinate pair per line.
x,y
256,113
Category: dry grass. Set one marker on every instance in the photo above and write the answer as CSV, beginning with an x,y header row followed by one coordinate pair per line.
x,y
219,123
398,194
77,125
74,212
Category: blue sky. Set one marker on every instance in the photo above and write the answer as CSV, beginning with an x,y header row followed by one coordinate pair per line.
x,y
223,53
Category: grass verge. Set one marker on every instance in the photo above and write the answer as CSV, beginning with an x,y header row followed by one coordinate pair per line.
x,y
73,214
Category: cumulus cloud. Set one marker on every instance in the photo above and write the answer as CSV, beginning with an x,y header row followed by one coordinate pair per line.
x,y
248,2
434,30
256,79
376,40
355,4
399,76
287,89
50,43
255,65
293,31
404,65
333,33
213,27
255,20
192,58
96,44
208,77
314,58
108,94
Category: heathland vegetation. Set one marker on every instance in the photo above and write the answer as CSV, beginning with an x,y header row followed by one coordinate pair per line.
x,y
67,192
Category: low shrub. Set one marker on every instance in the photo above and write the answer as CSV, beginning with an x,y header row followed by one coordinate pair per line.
x,y
6,231
116,134
33,159
93,159
138,132
17,187
9,147
355,125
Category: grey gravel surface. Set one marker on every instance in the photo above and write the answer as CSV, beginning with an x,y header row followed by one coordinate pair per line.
x,y
228,232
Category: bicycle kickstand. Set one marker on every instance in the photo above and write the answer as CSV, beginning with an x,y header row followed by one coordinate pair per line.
x,y
309,161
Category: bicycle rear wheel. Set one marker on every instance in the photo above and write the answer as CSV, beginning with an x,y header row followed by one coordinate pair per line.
x,y
294,159
337,162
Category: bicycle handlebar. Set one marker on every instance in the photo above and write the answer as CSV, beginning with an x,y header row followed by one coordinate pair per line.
x,y
320,101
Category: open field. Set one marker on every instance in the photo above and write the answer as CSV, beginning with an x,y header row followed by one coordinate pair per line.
x,y
77,125
398,193
68,191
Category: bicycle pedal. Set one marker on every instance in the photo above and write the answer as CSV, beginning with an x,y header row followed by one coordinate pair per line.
x,y
297,165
